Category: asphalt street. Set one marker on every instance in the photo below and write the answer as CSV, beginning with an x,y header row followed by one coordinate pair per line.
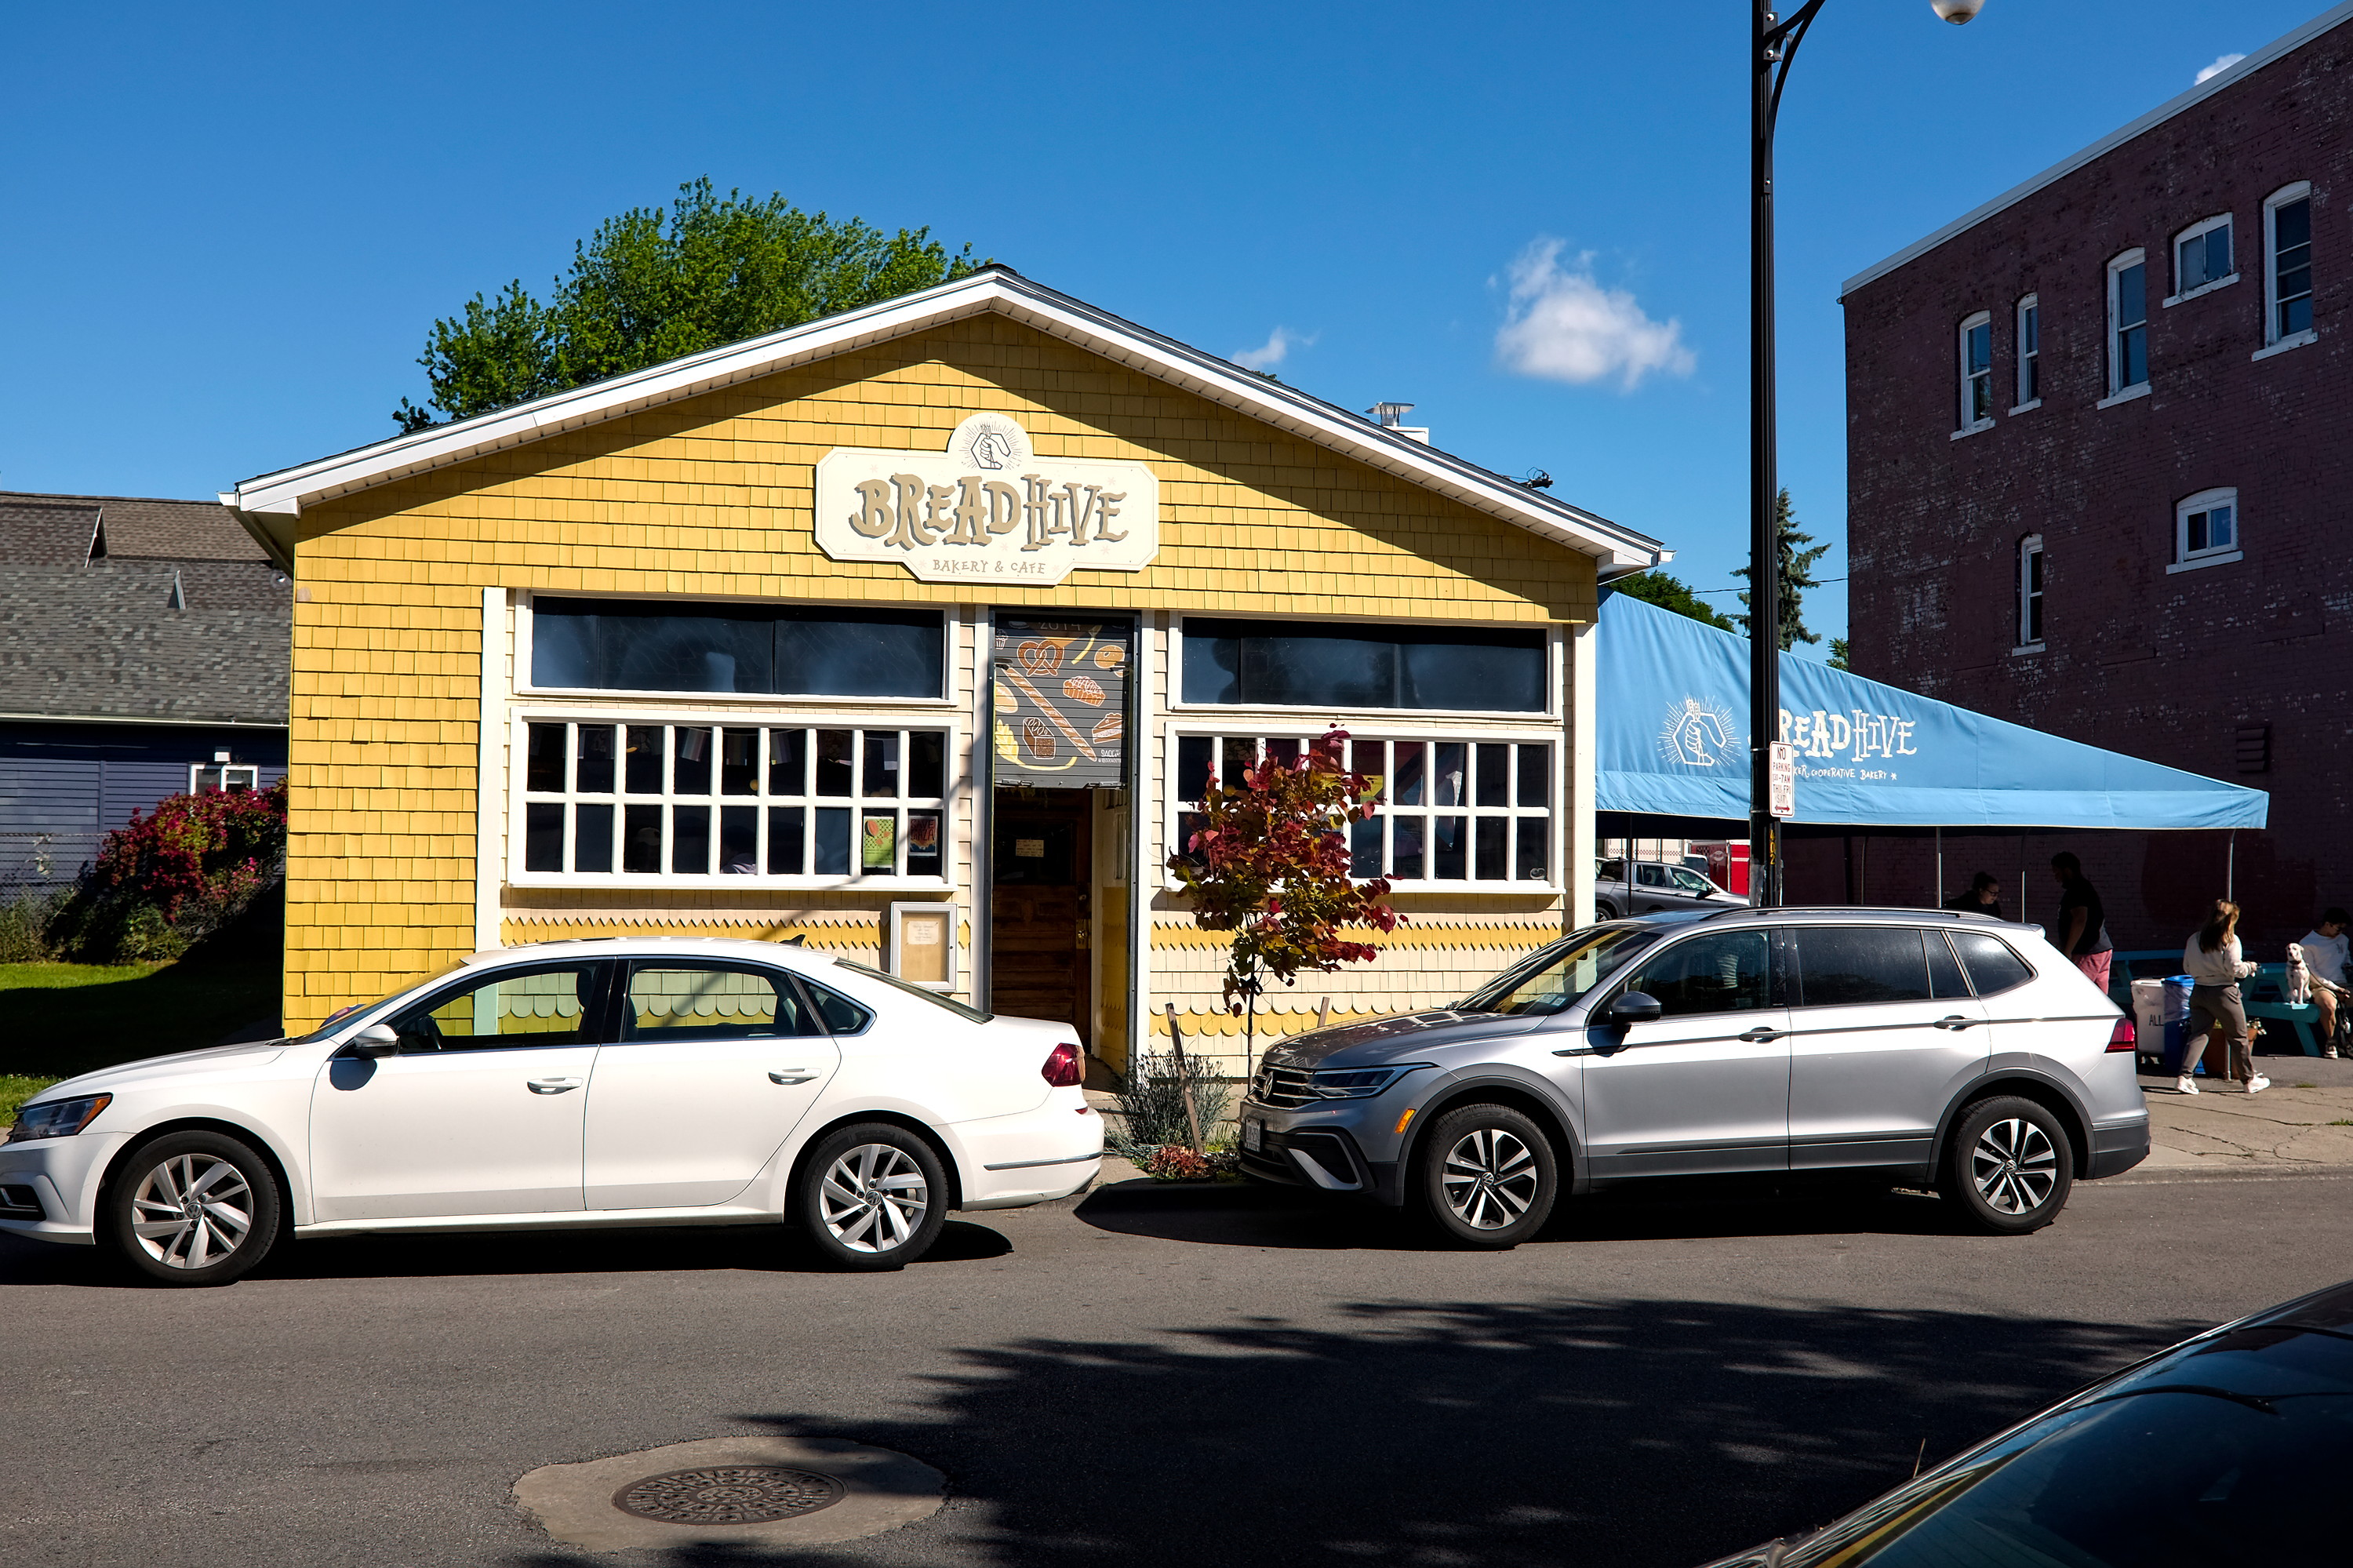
x,y
1157,1376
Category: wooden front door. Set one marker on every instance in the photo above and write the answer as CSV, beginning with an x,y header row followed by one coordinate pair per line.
x,y
1042,869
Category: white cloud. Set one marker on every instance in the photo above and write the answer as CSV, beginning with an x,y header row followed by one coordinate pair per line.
x,y
1275,350
2222,63
1563,325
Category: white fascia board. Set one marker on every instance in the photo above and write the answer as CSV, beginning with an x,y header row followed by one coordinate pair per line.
x,y
1617,549
2334,17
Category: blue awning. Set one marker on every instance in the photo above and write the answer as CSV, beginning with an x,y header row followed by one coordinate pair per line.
x,y
1673,733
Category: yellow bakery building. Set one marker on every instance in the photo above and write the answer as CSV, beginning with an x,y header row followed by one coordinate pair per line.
x,y
912,633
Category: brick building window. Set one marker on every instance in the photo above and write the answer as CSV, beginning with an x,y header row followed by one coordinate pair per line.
x,y
2030,353
2287,268
2029,593
2128,324
2206,529
2202,259
1977,371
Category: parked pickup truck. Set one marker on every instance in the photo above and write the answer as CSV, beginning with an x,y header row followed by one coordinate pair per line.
x,y
1654,887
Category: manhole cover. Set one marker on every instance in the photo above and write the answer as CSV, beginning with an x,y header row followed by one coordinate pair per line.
x,y
728,1494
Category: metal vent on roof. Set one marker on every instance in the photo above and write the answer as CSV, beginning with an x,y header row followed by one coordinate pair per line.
x,y
2253,750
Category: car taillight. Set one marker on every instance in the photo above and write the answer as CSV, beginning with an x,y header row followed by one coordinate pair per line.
x,y
1061,1068
2125,1036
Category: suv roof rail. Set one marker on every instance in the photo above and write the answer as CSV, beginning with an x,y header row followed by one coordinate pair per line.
x,y
1834,910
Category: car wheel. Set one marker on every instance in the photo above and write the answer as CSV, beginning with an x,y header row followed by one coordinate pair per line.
x,y
2009,1166
1485,1176
193,1208
872,1196
1605,911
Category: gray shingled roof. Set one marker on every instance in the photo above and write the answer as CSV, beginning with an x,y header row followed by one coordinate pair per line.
x,y
149,528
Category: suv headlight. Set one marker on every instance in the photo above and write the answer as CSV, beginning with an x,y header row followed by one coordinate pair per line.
x,y
57,1118
1360,1083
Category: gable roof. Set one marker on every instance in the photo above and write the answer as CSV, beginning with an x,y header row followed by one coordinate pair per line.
x,y
2220,81
269,503
72,530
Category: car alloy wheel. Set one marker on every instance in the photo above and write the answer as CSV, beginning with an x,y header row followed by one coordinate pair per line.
x,y
193,1208
2008,1167
1490,1178
1484,1176
875,1198
2014,1166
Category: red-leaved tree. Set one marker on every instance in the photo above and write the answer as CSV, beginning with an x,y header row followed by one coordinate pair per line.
x,y
1270,863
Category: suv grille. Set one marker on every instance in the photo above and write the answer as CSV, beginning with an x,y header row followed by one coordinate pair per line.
x,y
1282,1087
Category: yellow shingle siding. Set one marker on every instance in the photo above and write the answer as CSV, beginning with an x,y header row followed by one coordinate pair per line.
x,y
712,497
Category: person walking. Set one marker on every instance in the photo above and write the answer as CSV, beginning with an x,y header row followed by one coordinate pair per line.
x,y
2325,952
1983,897
2214,961
2083,919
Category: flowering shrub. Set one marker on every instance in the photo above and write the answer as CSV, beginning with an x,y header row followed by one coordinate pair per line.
x,y
1177,1162
177,875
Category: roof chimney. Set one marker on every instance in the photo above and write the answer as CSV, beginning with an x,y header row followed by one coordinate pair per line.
x,y
1391,417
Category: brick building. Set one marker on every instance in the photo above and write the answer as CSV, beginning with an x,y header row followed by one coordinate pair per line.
x,y
2098,454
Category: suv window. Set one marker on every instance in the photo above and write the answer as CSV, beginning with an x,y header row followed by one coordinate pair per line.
x,y
1611,870
1839,966
710,1002
514,1008
1724,971
1993,968
1943,971
1650,876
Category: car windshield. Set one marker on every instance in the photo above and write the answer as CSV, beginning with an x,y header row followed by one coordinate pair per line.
x,y
1551,978
2234,1460
935,998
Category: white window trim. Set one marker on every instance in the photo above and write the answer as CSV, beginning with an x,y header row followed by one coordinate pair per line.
x,y
1969,323
2304,339
2018,350
229,774
2121,391
1281,716
949,805
2030,544
1980,428
2184,559
2299,190
2203,227
1434,727
524,687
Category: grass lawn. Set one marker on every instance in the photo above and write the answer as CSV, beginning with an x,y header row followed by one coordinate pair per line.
x,y
64,1019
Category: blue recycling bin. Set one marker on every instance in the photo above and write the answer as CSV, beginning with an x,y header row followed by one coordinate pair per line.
x,y
2176,1023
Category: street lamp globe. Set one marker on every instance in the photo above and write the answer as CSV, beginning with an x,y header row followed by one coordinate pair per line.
x,y
1956,11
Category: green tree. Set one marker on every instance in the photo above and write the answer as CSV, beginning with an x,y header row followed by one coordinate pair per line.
x,y
1841,659
656,283
1669,592
1797,574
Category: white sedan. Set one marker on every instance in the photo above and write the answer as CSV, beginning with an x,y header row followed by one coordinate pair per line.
x,y
638,1081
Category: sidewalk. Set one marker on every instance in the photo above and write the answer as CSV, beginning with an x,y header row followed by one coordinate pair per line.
x,y
2303,1122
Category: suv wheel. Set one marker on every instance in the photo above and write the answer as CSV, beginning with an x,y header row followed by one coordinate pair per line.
x,y
1605,911
872,1196
193,1208
1485,1176
2009,1166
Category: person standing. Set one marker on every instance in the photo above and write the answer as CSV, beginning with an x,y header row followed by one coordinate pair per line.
x,y
2083,919
2213,961
2326,949
1983,897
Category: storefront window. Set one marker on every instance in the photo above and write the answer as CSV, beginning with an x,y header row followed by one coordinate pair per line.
x,y
1289,663
1448,810
720,799
633,645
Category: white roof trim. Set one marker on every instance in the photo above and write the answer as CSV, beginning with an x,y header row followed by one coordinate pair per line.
x,y
1618,549
2334,17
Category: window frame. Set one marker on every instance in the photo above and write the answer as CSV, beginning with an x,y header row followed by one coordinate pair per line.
x,y
2030,360
223,777
1288,714
2205,500
1779,967
597,1020
527,619
1965,424
2119,389
2034,595
2273,339
2198,230
1173,808
949,805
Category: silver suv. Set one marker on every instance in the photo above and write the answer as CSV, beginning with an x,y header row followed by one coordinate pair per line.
x,y
1907,1044
1654,887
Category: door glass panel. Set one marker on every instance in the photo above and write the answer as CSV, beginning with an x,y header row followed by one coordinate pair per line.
x,y
1838,966
841,1015
1943,973
691,1002
1651,876
540,1007
1993,966
1727,971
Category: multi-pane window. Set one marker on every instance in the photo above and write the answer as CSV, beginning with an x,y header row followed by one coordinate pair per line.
x,y
1446,810
2201,256
1976,371
620,799
2287,225
2030,350
2029,591
2207,523
2127,322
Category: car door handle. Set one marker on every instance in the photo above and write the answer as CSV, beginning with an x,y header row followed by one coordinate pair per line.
x,y
1955,1023
790,1076
1760,1034
554,1086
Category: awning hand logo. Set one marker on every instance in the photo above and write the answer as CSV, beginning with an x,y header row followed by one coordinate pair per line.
x,y
1698,734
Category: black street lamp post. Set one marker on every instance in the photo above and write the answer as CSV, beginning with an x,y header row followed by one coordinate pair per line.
x,y
1775,45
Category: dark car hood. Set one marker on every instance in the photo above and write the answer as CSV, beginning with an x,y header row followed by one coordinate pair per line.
x,y
1387,1039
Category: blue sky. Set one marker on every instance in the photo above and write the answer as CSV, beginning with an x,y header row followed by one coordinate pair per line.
x,y
233,225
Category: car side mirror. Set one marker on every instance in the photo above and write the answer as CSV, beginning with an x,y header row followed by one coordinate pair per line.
x,y
375,1040
1636,1007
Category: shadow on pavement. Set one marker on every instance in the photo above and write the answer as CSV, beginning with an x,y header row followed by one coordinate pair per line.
x,y
1475,1436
